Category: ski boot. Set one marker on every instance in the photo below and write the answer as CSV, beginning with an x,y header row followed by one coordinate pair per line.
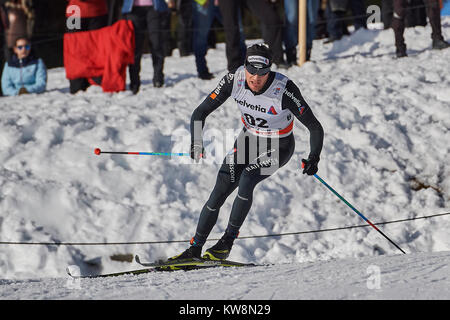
x,y
221,250
192,253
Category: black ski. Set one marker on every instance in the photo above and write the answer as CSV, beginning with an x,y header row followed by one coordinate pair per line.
x,y
168,265
195,263
129,272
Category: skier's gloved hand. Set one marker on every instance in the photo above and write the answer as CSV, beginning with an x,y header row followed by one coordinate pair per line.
x,y
310,166
197,151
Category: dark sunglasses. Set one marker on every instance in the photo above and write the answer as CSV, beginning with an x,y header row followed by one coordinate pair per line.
x,y
257,71
27,47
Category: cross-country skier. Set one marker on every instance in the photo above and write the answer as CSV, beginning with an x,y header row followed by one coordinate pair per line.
x,y
268,101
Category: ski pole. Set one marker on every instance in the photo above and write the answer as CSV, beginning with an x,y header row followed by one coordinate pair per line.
x,y
359,213
97,151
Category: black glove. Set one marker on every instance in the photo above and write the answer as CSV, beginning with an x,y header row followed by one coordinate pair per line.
x,y
310,166
197,151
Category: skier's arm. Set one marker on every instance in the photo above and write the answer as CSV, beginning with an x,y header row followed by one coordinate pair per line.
x,y
293,100
214,100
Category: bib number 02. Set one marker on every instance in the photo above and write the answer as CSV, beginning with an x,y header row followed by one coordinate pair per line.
x,y
258,122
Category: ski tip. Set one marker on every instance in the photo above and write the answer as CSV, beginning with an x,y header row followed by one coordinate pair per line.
x,y
70,273
136,258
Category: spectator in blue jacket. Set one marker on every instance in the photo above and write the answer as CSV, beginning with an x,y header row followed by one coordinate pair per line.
x,y
23,73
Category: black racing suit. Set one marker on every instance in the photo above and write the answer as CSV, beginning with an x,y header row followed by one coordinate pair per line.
x,y
243,168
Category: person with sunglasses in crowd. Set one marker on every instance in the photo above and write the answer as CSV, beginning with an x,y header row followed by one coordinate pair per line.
x,y
24,72
268,102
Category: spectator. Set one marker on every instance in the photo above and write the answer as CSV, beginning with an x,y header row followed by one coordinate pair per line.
x,y
93,15
4,26
146,16
398,24
335,12
23,73
291,28
271,25
204,13
21,19
184,27
415,14
103,54
321,24
169,42
445,8
114,11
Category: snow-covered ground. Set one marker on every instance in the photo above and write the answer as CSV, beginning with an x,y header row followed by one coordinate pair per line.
x,y
386,150
414,276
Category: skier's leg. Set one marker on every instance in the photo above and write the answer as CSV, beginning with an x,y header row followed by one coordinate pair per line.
x,y
227,181
241,206
249,178
243,201
268,164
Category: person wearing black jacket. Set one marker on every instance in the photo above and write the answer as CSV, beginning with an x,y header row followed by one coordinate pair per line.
x,y
271,25
268,102
398,25
149,18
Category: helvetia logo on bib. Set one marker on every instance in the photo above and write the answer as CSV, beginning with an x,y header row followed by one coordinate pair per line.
x,y
256,107
272,111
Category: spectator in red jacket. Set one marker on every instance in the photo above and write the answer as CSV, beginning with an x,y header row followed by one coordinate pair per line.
x,y
104,53
92,15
